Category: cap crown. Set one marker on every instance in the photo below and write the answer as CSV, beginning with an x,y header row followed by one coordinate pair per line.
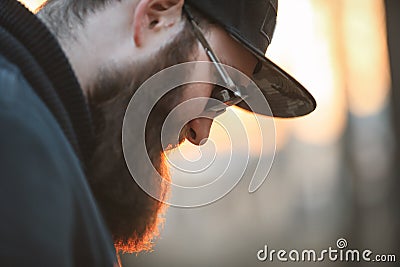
x,y
252,22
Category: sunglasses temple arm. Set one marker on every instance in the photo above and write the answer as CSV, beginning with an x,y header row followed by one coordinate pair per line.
x,y
227,79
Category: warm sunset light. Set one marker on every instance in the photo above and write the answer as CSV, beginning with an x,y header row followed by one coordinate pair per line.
x,y
367,68
304,44
338,50
32,4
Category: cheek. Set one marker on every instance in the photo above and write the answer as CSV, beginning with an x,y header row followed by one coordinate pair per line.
x,y
196,95
194,99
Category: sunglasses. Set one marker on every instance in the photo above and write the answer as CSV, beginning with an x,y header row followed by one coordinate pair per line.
x,y
221,98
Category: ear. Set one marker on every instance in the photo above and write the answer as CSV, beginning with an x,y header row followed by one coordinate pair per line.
x,y
153,16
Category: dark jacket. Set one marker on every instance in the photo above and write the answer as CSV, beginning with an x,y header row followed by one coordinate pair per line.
x,y
48,216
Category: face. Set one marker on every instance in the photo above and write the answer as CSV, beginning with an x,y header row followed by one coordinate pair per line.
x,y
231,53
132,216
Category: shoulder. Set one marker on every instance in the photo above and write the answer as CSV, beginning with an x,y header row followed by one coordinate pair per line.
x,y
44,195
11,82
29,126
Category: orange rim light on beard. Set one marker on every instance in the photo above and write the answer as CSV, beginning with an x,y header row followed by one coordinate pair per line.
x,y
145,243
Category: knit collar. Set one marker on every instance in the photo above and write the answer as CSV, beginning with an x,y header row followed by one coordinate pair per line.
x,y
46,51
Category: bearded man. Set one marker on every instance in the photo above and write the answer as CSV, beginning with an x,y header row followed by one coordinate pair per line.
x,y
67,75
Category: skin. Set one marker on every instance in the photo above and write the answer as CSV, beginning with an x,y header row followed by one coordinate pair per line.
x,y
139,29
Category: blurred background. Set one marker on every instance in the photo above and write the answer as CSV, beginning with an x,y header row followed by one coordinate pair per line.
x,y
336,172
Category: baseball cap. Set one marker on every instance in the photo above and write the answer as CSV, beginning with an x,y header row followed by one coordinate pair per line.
x,y
252,23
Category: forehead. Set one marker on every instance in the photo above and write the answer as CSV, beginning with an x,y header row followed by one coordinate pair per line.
x,y
230,51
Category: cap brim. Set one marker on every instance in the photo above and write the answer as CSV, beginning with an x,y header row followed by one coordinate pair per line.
x,y
286,97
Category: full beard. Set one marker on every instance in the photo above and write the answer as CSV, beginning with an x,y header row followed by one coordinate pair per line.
x,y
133,218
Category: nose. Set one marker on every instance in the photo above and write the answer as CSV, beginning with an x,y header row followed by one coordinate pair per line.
x,y
199,130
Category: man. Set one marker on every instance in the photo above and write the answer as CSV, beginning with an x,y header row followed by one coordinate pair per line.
x,y
66,79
